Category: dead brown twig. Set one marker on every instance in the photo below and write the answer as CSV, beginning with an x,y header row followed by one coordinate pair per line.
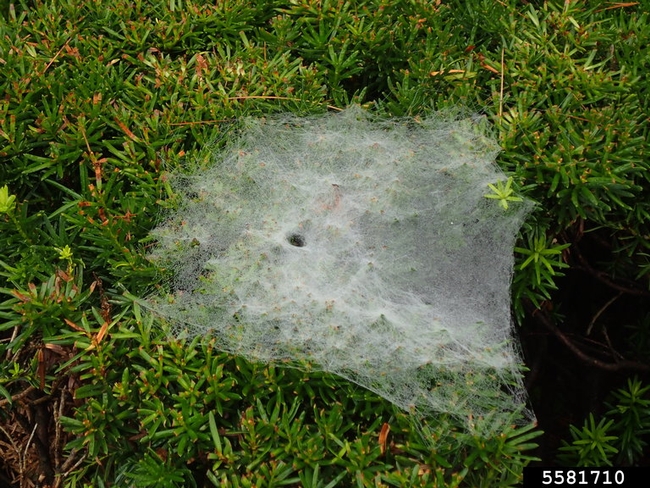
x,y
34,448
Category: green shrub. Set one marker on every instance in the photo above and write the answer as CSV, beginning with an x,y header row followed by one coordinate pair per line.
x,y
99,98
620,436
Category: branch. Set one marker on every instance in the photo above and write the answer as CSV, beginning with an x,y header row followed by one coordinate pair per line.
x,y
600,312
604,277
619,365
17,396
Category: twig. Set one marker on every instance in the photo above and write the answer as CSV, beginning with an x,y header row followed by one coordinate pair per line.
x,y
68,467
29,441
17,396
56,56
603,278
609,343
503,51
600,312
614,5
619,365
62,469
10,440
14,334
23,457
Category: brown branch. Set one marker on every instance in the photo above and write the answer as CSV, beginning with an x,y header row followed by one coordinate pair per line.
x,y
604,277
618,365
56,56
17,396
601,311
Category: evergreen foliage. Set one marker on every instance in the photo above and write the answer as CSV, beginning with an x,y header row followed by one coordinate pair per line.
x,y
98,98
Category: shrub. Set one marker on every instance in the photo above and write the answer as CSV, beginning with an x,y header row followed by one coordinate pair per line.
x,y
99,98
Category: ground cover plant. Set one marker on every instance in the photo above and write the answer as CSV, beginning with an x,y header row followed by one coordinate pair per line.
x,y
99,99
